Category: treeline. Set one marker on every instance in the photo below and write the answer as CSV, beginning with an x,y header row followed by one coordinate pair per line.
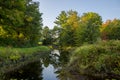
x,y
71,29
20,23
21,26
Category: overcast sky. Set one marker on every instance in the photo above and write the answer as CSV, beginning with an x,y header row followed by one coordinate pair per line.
x,y
108,9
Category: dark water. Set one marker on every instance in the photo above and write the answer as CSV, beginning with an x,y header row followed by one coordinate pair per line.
x,y
49,67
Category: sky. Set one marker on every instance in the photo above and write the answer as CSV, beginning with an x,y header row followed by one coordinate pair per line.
x,y
107,9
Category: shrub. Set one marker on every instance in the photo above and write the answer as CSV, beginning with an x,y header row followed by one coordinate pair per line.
x,y
100,58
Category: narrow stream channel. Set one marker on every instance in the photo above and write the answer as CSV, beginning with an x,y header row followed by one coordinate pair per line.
x,y
49,67
45,69
49,72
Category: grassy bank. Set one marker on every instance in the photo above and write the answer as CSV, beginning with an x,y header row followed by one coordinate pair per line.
x,y
11,58
97,60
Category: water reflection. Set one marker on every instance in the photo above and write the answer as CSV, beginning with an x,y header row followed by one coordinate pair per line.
x,y
62,71
32,71
48,73
38,70
52,66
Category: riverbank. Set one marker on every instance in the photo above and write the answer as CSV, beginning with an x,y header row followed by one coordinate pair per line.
x,y
99,60
13,58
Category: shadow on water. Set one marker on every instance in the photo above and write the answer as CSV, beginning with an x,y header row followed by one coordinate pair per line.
x,y
52,66
32,71
64,72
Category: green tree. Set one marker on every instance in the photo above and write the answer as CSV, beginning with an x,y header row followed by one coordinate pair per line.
x,y
47,38
68,21
73,19
111,29
61,19
55,35
66,37
89,28
11,20
20,22
33,23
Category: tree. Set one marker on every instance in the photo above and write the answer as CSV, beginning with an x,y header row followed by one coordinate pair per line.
x,y
68,21
61,19
11,20
33,23
47,38
73,19
89,28
55,35
111,29
102,29
20,22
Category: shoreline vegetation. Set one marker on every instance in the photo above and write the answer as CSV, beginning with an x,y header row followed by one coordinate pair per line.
x,y
14,58
98,60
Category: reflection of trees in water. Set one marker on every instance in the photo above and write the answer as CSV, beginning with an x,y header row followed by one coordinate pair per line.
x,y
65,72
32,71
62,72
45,60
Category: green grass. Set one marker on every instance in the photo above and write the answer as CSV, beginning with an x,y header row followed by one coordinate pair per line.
x,y
14,56
6,52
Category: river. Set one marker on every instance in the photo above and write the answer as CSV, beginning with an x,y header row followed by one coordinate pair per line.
x,y
45,69
49,67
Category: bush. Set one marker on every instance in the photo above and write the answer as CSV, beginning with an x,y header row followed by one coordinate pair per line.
x,y
100,58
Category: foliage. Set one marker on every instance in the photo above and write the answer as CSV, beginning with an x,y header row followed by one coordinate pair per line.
x,y
55,35
47,36
33,23
66,38
97,59
89,28
61,19
20,23
76,30
50,36
68,21
110,29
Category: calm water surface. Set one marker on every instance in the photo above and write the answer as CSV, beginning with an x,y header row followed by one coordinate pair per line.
x,y
45,69
49,67
48,73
